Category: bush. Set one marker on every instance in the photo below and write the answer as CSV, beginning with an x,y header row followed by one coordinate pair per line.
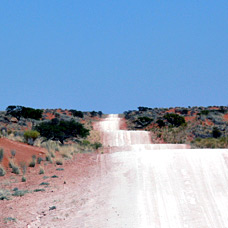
x,y
77,113
18,192
61,129
39,160
96,145
39,190
41,170
216,133
2,171
59,162
23,179
23,166
174,119
160,123
13,153
1,154
14,167
33,162
30,136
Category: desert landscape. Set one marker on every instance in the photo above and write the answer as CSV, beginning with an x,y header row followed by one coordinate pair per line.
x,y
117,176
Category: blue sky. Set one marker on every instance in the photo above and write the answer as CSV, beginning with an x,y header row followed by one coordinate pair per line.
x,y
113,56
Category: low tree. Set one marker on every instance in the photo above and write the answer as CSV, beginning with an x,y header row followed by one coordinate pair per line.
x,y
61,129
26,112
174,119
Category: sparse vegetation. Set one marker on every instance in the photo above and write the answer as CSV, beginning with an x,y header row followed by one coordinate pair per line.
x,y
45,183
39,160
59,161
23,179
41,170
2,171
1,154
59,169
52,208
14,167
18,192
9,219
13,153
39,190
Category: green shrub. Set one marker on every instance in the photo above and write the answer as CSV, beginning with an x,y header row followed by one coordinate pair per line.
x,y
39,190
77,113
30,136
160,123
39,160
54,176
32,163
10,219
52,208
49,159
58,162
18,192
59,169
216,133
23,179
61,129
4,194
44,183
204,112
96,145
174,119
14,167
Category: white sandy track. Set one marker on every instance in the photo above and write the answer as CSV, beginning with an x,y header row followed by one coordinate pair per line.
x,y
178,188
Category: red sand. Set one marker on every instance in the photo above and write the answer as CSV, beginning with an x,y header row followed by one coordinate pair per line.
x,y
24,152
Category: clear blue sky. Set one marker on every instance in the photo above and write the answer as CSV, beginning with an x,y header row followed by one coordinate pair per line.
x,y
113,56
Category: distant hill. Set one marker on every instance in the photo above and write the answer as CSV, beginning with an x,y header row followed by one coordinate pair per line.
x,y
204,127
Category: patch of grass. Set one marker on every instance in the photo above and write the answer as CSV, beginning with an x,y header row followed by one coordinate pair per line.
x,y
41,170
59,161
2,171
23,166
45,177
39,160
59,169
39,190
52,208
4,194
49,159
19,192
14,167
9,219
23,179
13,153
45,183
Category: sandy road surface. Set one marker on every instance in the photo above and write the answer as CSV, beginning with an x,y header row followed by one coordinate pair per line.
x,y
172,188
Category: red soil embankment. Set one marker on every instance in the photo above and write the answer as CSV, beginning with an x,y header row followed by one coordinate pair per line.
x,y
23,151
